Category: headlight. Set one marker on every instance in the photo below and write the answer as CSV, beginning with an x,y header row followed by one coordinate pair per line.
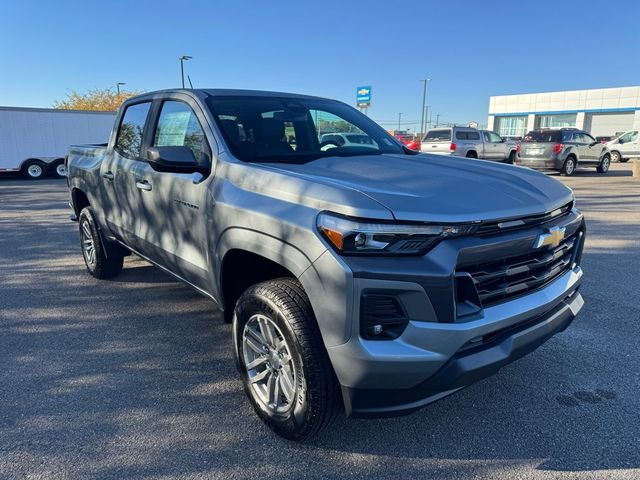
x,y
358,237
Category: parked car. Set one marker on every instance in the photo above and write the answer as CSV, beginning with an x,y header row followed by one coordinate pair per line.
x,y
562,149
333,140
625,146
414,144
362,280
468,142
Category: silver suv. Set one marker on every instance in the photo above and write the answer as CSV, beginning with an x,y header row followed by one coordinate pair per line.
x,y
468,142
370,281
562,149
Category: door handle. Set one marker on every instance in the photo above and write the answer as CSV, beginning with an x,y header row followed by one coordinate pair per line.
x,y
143,185
108,176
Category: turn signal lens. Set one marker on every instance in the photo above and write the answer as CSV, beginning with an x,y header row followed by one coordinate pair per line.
x,y
558,147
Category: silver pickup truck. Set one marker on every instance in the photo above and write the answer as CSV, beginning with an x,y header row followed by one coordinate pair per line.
x,y
361,280
469,142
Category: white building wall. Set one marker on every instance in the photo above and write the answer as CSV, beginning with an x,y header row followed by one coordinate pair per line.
x,y
580,102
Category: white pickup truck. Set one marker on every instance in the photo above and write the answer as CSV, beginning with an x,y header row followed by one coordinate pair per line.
x,y
468,142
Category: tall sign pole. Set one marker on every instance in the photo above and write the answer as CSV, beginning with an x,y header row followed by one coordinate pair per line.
x,y
424,103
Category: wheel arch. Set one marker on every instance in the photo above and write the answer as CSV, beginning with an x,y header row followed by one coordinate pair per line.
x,y
258,257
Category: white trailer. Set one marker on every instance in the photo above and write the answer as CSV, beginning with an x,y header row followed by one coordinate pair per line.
x,y
34,141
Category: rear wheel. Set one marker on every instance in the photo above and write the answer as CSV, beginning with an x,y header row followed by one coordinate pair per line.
x,y
604,165
103,259
569,166
284,367
59,169
33,169
471,155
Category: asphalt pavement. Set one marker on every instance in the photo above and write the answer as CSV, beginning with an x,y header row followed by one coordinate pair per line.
x,y
133,377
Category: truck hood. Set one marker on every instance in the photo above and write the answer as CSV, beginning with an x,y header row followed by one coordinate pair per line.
x,y
432,188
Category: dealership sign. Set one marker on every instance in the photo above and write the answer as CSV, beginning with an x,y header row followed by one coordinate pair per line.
x,y
363,96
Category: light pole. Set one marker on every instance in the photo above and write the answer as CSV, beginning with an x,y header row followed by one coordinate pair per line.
x,y
118,86
424,103
437,119
399,120
182,59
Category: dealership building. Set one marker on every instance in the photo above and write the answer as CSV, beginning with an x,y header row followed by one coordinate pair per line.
x,y
602,111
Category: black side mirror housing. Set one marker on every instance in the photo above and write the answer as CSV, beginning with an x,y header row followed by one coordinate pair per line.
x,y
174,159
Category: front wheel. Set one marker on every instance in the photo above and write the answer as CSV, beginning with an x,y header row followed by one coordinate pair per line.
x,y
569,167
604,165
512,158
103,260
33,170
616,157
284,367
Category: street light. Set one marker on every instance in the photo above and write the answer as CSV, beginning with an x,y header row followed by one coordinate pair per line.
x,y
118,86
182,60
399,119
424,102
437,119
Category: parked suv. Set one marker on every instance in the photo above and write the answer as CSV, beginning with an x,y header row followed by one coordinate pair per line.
x,y
562,149
468,142
625,146
370,281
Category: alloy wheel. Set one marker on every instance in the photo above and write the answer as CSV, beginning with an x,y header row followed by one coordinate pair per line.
x,y
268,364
88,245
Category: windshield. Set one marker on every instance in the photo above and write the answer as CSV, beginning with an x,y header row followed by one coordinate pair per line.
x,y
295,130
543,136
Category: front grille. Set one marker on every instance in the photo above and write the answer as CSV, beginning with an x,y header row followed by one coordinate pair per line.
x,y
499,280
492,227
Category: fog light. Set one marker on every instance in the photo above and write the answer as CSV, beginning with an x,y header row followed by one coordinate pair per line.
x,y
382,316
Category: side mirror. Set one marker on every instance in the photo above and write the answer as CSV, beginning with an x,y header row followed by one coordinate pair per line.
x,y
620,140
174,159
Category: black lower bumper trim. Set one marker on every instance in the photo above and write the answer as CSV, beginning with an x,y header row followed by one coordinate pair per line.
x,y
466,367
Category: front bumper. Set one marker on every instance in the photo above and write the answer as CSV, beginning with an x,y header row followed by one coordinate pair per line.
x,y
466,366
440,351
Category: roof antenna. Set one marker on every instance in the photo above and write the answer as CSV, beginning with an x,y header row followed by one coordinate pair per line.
x,y
190,84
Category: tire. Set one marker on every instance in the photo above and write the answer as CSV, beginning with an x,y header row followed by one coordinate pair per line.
x,y
569,166
34,169
512,158
604,165
471,155
103,259
59,169
616,157
277,344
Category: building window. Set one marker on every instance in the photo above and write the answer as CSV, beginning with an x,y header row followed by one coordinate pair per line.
x,y
559,120
512,126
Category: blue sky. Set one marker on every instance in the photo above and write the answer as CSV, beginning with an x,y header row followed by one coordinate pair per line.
x,y
470,50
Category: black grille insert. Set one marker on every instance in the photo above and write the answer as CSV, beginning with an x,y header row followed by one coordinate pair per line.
x,y
499,280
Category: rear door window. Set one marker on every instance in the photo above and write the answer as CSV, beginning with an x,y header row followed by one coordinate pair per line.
x,y
129,139
438,136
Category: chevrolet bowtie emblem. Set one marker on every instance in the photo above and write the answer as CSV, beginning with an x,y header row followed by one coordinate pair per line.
x,y
551,239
